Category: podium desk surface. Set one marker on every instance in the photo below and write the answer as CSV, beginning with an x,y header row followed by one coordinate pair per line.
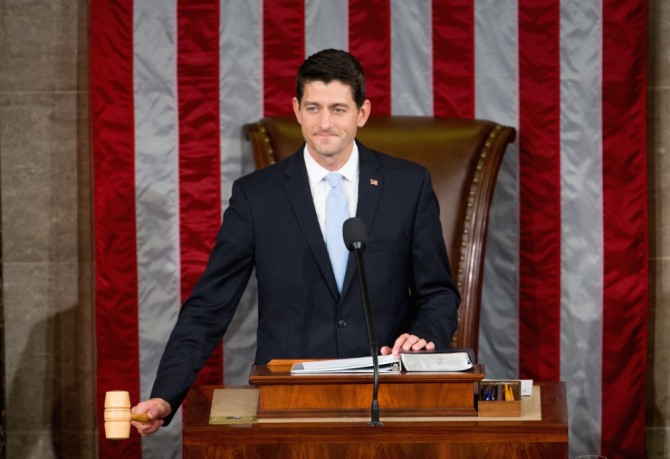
x,y
469,438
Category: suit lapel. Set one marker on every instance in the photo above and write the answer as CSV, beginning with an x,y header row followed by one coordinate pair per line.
x,y
299,196
370,186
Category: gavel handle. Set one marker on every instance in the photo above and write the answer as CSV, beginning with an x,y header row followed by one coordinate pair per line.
x,y
140,417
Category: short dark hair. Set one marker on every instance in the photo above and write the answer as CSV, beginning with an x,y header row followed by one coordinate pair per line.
x,y
332,65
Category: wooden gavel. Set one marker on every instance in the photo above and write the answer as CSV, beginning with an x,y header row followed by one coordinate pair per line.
x,y
117,415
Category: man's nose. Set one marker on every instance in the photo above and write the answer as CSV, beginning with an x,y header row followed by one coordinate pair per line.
x,y
325,119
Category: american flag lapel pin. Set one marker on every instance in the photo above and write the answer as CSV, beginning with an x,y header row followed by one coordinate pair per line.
x,y
374,182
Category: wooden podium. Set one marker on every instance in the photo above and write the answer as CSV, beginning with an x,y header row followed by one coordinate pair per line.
x,y
284,395
403,436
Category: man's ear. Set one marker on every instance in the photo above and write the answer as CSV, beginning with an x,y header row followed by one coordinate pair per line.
x,y
364,113
296,109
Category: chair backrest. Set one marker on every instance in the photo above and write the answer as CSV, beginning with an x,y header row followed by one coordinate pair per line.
x,y
463,157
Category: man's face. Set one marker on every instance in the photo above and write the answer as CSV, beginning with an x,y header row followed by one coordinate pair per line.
x,y
329,120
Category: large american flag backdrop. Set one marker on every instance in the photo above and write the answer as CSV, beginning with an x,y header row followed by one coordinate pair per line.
x,y
565,296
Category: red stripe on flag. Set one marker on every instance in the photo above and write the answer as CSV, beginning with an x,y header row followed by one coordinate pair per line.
x,y
625,228
540,188
199,149
370,42
454,58
111,60
283,52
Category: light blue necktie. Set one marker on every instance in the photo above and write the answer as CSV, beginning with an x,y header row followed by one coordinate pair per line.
x,y
337,211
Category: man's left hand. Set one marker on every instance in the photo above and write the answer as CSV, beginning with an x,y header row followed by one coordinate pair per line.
x,y
407,342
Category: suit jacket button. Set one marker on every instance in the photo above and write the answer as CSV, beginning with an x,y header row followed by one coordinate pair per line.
x,y
342,323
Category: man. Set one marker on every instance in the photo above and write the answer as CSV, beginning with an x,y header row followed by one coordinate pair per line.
x,y
278,221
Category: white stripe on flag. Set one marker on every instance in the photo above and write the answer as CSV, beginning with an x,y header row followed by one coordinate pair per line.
x,y
326,26
411,58
582,219
156,185
241,91
497,98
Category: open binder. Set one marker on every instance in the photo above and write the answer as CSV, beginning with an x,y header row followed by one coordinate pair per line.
x,y
457,360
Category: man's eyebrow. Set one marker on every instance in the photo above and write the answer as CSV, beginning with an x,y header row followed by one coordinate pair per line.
x,y
334,104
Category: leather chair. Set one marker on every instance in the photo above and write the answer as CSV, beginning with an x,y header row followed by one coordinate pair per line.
x,y
463,157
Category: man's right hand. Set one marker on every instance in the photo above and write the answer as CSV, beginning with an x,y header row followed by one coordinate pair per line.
x,y
156,409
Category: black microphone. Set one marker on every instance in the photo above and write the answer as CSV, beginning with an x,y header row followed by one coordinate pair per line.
x,y
355,238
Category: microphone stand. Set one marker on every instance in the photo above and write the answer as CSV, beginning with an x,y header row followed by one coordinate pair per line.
x,y
358,252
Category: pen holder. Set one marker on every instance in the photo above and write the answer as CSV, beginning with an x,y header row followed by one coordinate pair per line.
x,y
499,398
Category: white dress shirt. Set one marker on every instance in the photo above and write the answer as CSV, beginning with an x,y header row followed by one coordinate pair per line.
x,y
320,187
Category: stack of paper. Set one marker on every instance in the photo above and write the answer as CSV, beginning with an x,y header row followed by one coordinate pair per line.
x,y
411,361
387,364
436,361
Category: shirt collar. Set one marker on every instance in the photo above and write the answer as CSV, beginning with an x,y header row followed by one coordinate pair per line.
x,y
316,172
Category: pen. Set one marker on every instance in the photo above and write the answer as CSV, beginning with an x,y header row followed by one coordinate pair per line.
x,y
509,393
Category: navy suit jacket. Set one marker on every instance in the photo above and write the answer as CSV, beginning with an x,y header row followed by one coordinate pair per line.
x,y
271,225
